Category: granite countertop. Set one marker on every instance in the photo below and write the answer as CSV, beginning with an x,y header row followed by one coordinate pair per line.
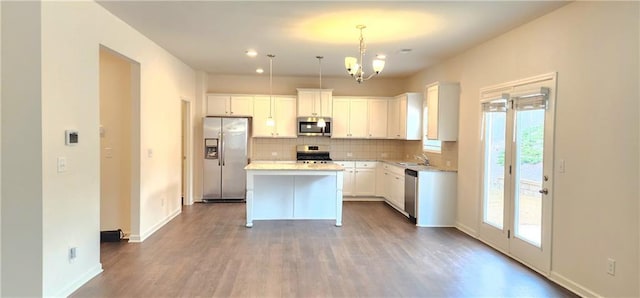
x,y
406,164
270,166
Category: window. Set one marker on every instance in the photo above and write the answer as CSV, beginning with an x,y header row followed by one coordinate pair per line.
x,y
429,145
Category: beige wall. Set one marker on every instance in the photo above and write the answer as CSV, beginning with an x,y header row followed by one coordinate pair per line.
x,y
115,122
283,85
22,160
72,33
594,48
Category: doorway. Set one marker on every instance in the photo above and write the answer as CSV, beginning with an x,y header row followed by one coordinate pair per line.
x,y
517,172
119,140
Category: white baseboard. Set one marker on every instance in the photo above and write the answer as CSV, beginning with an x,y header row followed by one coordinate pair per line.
x,y
571,285
435,226
467,230
80,281
156,227
362,199
552,276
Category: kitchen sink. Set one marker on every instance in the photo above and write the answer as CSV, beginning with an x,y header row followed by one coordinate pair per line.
x,y
408,163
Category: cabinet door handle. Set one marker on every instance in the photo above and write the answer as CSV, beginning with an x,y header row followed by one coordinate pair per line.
x,y
397,178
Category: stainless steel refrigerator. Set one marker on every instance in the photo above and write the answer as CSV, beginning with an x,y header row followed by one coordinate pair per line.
x,y
225,156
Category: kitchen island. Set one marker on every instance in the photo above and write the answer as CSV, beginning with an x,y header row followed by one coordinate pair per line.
x,y
277,191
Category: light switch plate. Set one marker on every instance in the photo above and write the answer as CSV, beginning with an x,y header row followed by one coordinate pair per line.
x,y
62,164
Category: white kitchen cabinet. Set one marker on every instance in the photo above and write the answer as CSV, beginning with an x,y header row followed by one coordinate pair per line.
x,y
359,178
349,177
314,102
380,180
365,178
283,112
437,197
349,118
229,105
442,111
404,117
377,118
393,180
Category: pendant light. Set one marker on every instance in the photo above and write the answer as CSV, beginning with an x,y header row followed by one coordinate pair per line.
x,y
321,122
270,121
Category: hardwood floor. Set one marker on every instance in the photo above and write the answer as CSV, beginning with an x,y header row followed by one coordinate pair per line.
x,y
207,251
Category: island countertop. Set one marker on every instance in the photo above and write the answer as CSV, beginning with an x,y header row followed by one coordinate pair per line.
x,y
267,166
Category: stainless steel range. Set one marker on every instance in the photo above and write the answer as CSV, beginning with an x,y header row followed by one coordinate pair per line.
x,y
313,154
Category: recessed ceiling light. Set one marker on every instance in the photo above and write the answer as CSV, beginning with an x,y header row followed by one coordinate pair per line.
x,y
259,70
251,53
381,56
404,51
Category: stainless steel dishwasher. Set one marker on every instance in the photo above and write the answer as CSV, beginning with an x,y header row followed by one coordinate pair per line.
x,y
411,193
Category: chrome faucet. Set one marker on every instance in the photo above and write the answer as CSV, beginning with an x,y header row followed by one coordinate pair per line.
x,y
423,158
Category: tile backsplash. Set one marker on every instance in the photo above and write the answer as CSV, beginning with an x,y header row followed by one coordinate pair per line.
x,y
346,149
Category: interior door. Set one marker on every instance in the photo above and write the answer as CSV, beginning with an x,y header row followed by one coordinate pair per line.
x,y
517,172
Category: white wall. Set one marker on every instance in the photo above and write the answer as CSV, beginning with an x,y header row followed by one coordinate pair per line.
x,y
594,48
115,143
72,33
21,150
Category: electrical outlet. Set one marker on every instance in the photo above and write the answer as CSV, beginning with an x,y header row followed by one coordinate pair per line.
x,y
384,154
274,153
149,152
611,266
73,253
561,166
349,154
448,163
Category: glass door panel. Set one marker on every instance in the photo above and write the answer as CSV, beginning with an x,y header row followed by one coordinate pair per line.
x,y
494,184
529,146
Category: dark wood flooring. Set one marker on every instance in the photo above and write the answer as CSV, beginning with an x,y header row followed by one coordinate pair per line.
x,y
207,251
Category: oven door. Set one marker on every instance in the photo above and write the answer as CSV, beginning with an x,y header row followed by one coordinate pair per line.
x,y
309,127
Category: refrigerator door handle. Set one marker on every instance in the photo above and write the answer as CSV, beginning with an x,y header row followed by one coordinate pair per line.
x,y
223,150
220,149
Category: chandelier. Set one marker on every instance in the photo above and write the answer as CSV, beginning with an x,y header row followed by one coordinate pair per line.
x,y
354,66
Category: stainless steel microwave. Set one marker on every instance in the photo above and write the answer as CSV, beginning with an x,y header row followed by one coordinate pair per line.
x,y
308,126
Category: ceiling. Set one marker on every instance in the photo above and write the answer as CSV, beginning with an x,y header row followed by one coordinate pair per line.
x,y
214,35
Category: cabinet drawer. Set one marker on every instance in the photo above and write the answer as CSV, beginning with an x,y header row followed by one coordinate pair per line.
x,y
366,164
346,164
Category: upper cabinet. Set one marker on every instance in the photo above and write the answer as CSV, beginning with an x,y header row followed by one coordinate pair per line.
x,y
314,102
229,105
404,121
377,118
349,118
282,109
442,111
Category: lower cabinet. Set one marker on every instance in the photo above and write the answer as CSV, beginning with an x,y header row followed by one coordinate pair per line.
x,y
359,178
393,180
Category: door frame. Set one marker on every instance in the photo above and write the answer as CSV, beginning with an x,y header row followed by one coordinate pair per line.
x,y
186,118
504,245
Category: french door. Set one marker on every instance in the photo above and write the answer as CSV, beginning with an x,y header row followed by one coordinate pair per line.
x,y
517,138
